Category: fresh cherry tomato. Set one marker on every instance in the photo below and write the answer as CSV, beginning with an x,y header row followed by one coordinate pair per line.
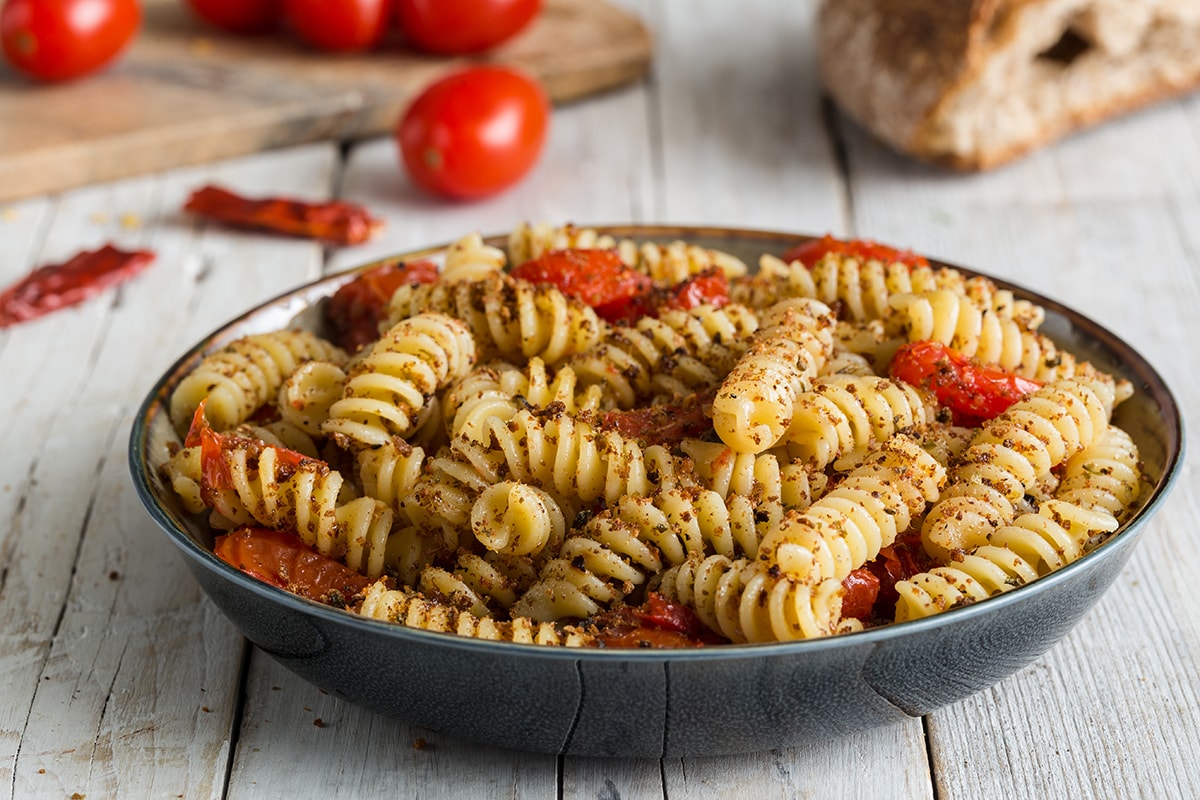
x,y
338,25
281,559
56,40
356,309
813,251
474,132
240,16
597,277
973,391
453,27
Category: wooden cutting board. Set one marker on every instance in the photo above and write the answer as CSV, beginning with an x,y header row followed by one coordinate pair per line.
x,y
185,93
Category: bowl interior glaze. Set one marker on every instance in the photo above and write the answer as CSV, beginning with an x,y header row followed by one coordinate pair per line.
x,y
654,703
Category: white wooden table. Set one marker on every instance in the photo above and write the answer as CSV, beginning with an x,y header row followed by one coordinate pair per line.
x,y
119,679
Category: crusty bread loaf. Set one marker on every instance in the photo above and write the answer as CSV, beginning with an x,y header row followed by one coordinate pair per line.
x,y
974,83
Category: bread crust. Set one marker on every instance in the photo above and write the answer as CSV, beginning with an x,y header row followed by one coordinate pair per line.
x,y
972,84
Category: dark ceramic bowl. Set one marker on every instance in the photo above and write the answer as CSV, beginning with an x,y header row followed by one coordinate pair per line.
x,y
653,703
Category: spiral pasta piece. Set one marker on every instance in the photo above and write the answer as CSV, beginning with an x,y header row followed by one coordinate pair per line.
x,y
481,584
1104,475
673,354
763,477
308,393
843,415
1008,456
754,406
415,611
529,241
1031,547
500,391
304,499
678,261
852,522
388,390
745,601
509,318
470,258
239,378
390,472
516,519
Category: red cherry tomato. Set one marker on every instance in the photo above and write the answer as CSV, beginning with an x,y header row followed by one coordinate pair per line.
x,y
356,309
596,277
453,27
813,251
281,559
474,132
861,589
56,40
973,391
240,16
709,287
338,25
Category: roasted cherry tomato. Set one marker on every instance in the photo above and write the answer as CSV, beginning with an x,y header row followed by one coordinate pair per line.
x,y
240,16
453,27
474,132
214,472
356,309
56,40
666,424
813,251
597,277
281,559
897,562
861,590
709,287
659,622
338,25
973,391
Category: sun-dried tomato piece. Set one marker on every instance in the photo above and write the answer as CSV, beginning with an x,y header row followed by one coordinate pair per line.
x,y
54,286
335,221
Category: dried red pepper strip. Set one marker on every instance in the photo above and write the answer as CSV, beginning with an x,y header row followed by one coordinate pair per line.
x,y
335,222
54,286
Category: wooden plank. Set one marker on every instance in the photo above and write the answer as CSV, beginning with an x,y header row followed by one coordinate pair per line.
x,y
1103,222
739,134
185,94
876,765
131,679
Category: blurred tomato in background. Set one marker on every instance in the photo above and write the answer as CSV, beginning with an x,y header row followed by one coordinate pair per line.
x,y
338,25
57,40
240,16
474,132
453,27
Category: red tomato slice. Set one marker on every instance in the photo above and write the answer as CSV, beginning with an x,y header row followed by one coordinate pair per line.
x,y
357,309
973,391
597,277
281,559
813,251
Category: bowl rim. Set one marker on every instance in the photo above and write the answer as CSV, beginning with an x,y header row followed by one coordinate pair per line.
x,y
156,402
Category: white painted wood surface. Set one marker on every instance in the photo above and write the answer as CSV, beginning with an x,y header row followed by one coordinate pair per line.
x,y
118,679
